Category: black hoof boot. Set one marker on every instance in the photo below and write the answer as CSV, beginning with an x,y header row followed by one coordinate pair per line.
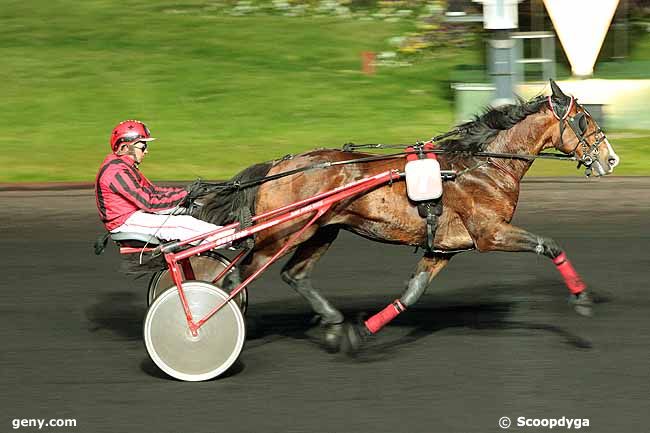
x,y
354,337
334,334
582,303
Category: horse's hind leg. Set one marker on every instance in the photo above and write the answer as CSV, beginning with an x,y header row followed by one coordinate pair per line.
x,y
427,268
297,273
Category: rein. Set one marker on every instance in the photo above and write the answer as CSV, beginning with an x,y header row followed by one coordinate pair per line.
x,y
350,147
418,149
216,186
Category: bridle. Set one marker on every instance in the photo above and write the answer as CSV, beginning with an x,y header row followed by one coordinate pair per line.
x,y
578,124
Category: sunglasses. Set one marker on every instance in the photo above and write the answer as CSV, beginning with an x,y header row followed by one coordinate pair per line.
x,y
143,147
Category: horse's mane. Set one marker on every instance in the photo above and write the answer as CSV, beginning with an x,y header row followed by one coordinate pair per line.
x,y
477,134
233,204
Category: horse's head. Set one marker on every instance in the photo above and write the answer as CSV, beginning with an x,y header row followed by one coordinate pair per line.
x,y
579,135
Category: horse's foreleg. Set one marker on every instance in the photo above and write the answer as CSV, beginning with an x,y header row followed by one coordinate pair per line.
x,y
505,237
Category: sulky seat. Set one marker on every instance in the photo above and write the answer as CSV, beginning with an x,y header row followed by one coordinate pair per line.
x,y
135,239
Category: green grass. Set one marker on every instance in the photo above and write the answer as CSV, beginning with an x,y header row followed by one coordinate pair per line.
x,y
220,93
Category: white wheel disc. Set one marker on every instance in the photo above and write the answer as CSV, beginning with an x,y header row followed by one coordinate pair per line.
x,y
172,347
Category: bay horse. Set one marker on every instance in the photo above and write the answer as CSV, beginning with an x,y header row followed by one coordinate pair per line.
x,y
477,206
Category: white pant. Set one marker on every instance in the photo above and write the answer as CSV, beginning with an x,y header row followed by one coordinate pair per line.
x,y
169,227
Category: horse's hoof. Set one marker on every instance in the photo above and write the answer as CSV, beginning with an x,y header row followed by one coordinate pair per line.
x,y
353,338
582,304
333,336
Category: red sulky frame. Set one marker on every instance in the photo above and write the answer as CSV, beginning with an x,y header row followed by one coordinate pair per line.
x,y
319,204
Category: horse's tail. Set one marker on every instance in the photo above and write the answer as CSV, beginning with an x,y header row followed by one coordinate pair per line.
x,y
235,204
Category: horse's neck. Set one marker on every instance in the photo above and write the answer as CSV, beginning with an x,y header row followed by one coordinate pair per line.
x,y
525,138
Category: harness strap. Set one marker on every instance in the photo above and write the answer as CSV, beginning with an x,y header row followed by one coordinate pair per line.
x,y
430,211
349,147
432,221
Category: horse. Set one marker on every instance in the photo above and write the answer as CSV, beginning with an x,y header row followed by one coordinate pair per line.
x,y
477,207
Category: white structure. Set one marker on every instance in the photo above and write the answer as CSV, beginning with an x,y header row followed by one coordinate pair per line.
x,y
581,26
500,14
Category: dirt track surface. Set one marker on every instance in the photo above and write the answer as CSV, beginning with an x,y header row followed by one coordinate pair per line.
x,y
492,337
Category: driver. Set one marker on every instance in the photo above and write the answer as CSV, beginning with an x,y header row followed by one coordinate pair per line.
x,y
128,202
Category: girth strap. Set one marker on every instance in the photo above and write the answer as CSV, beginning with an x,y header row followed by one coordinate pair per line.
x,y
430,211
432,221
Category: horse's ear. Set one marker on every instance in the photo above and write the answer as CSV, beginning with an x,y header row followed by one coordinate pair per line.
x,y
557,92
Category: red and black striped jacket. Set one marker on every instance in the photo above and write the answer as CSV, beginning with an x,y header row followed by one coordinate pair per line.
x,y
121,190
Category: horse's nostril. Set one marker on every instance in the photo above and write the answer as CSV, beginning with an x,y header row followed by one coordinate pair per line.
x,y
611,161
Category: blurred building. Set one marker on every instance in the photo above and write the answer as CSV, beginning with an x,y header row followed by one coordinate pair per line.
x,y
520,59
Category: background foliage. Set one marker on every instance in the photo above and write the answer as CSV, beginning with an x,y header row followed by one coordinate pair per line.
x,y
224,84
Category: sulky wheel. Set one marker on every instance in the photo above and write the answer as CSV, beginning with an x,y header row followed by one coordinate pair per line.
x,y
176,351
206,267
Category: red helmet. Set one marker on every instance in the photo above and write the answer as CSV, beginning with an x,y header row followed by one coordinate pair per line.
x,y
127,132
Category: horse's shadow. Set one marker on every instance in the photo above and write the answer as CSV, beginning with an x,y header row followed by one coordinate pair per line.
x,y
420,322
122,314
491,316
